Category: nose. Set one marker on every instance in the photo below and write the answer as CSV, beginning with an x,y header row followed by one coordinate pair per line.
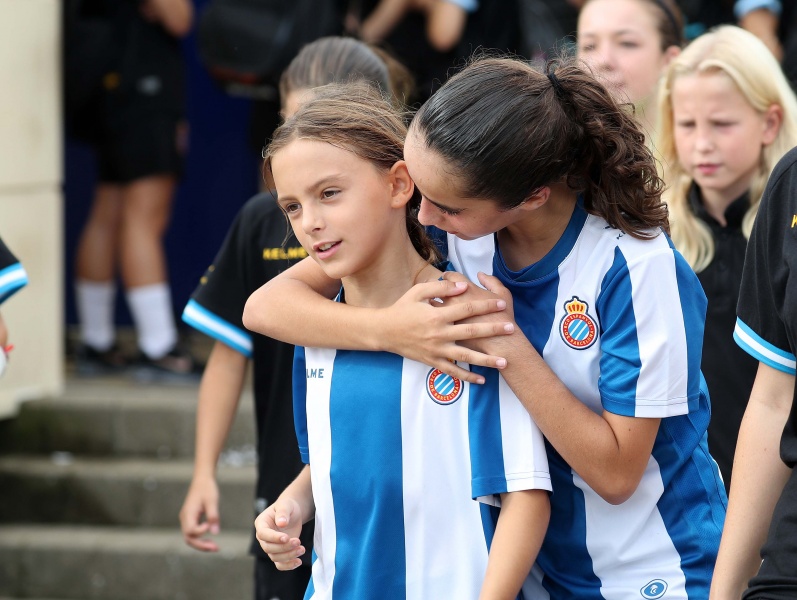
x,y
427,215
311,219
704,141
604,57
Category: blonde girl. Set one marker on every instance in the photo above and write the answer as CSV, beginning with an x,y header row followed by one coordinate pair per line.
x,y
727,115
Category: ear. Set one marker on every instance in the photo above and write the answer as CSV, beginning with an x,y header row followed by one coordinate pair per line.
x,y
401,184
773,119
538,199
670,53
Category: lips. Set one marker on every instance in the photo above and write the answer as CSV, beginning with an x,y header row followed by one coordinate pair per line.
x,y
325,249
707,168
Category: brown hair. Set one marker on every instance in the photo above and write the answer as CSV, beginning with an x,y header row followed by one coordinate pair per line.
x,y
669,21
507,130
356,118
341,60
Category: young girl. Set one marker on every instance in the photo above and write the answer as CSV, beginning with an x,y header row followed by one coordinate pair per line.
x,y
396,450
553,183
727,116
256,249
628,44
764,491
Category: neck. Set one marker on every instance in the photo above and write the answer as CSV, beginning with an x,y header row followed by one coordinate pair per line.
x,y
386,279
528,240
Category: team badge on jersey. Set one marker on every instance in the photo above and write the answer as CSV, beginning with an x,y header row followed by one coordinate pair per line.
x,y
578,329
654,590
443,388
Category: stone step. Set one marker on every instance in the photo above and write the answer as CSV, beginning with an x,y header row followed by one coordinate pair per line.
x,y
114,416
101,491
107,563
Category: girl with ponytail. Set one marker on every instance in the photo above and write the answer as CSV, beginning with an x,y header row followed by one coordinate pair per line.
x,y
540,185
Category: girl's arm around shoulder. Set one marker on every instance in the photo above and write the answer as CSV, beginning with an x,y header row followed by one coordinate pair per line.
x,y
295,307
278,527
518,537
759,476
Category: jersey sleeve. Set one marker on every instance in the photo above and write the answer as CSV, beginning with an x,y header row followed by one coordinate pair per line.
x,y
216,306
652,310
300,403
507,449
466,5
760,326
12,274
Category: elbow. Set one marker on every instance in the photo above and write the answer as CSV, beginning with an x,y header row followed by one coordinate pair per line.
x,y
443,43
617,489
249,317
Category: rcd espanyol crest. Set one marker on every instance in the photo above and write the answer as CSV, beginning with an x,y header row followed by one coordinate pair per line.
x,y
578,329
443,388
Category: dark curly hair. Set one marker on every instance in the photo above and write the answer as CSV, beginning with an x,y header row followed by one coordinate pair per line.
x,y
506,130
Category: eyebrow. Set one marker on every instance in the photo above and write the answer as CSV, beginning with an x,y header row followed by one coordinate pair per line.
x,y
313,186
437,204
444,207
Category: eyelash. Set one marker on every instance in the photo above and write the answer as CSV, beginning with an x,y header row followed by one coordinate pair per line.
x,y
445,211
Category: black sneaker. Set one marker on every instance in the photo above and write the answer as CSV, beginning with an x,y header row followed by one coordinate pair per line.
x,y
90,362
176,366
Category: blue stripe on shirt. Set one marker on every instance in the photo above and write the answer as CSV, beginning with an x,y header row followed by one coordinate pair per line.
x,y
212,325
12,279
484,432
762,350
620,362
372,551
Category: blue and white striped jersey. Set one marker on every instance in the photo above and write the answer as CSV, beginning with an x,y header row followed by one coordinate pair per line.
x,y
620,322
397,453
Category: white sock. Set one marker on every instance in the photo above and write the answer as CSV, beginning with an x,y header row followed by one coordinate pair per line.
x,y
95,304
151,307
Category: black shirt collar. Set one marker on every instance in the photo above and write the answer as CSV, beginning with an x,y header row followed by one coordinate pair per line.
x,y
734,214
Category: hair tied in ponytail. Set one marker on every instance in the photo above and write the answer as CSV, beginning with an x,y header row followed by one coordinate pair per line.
x,y
558,89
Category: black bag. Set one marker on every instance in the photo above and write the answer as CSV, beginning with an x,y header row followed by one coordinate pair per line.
x,y
252,41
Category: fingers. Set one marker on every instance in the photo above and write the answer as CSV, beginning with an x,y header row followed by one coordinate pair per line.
x,y
193,535
284,551
441,288
491,283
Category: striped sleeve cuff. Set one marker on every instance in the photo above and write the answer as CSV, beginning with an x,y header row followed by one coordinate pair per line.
x,y
200,318
12,279
763,351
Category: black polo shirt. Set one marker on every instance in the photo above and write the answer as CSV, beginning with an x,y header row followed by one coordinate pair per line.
x,y
256,249
729,388
767,329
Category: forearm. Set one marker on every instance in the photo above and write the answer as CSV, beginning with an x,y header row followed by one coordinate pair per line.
x,y
516,543
383,19
445,25
601,448
764,25
3,333
295,307
219,394
300,491
174,15
759,475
